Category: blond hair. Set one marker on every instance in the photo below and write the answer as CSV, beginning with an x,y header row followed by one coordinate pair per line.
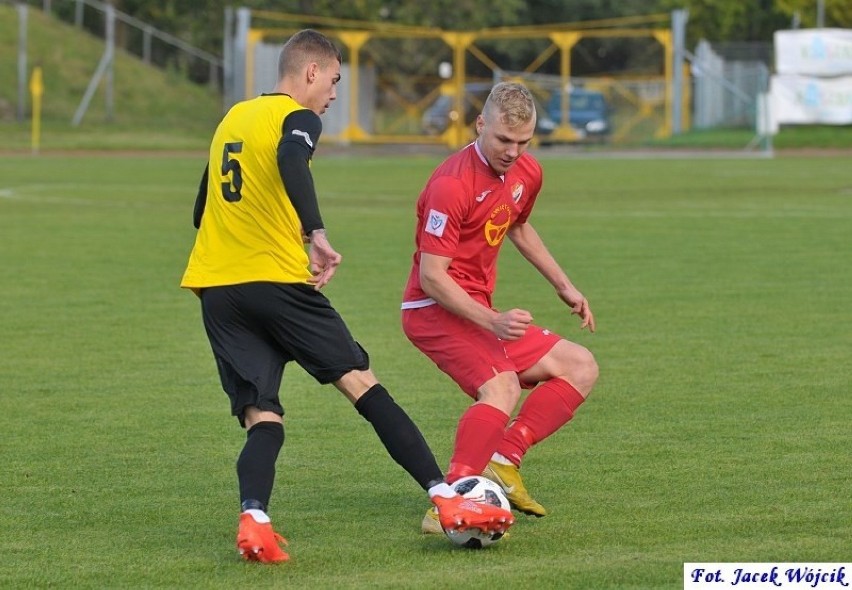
x,y
512,102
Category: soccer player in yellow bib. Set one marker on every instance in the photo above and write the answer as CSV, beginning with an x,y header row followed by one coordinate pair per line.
x,y
260,292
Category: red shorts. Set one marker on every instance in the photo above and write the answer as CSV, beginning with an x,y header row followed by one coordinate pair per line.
x,y
469,354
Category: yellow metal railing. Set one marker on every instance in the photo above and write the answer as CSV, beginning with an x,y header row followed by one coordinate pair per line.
x,y
461,46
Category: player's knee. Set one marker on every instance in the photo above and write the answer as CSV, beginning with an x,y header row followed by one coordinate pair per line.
x,y
355,383
503,392
512,397
505,400
582,371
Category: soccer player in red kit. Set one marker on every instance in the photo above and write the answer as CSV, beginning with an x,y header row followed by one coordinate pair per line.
x,y
477,197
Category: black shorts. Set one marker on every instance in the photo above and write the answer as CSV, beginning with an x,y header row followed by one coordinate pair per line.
x,y
257,328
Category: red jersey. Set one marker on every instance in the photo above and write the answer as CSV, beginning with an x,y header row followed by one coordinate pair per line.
x,y
464,213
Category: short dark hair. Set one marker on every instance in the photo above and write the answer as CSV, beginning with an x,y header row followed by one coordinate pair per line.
x,y
304,47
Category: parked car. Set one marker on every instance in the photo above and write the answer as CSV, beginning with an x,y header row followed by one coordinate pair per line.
x,y
437,116
588,112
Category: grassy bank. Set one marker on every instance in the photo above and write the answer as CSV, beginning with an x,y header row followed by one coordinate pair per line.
x,y
153,109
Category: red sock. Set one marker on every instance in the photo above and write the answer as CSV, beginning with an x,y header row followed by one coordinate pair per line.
x,y
546,409
479,432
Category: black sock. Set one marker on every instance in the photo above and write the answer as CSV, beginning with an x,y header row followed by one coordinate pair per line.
x,y
256,464
400,436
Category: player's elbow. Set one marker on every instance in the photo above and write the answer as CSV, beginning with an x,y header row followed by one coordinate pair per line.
x,y
428,284
430,280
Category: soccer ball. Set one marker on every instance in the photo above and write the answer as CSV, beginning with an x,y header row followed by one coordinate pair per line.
x,y
478,489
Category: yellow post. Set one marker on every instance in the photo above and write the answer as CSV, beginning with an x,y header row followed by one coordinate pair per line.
x,y
254,37
686,122
37,91
354,40
664,37
457,134
565,42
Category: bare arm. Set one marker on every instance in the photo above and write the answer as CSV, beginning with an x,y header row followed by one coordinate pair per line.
x,y
441,287
324,260
530,245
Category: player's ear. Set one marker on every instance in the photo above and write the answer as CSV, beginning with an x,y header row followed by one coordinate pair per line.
x,y
313,68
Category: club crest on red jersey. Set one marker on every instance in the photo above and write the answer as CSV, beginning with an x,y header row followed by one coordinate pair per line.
x,y
497,225
517,191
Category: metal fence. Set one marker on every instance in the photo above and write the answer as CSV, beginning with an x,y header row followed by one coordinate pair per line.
x,y
119,31
401,80
728,79
136,37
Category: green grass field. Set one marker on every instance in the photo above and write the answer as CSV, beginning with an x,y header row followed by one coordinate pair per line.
x,y
720,429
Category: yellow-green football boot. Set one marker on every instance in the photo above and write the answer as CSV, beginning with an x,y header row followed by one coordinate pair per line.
x,y
431,524
508,477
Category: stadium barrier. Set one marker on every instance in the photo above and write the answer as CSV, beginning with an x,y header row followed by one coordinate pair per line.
x,y
395,76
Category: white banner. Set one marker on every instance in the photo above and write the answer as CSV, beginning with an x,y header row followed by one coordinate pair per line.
x,y
805,100
814,52
766,576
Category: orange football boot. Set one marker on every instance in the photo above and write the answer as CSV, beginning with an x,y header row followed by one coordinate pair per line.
x,y
258,542
459,513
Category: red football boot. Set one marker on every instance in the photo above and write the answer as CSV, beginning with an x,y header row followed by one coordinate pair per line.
x,y
258,542
459,513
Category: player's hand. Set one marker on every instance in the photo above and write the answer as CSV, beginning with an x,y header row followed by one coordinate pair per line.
x,y
579,307
323,258
512,324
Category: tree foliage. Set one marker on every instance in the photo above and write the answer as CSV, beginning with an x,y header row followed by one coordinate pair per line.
x,y
201,21
725,20
838,13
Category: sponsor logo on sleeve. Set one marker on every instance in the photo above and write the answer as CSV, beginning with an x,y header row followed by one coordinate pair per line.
x,y
435,223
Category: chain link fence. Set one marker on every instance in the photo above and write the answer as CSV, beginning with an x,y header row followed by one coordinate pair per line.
x,y
728,80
